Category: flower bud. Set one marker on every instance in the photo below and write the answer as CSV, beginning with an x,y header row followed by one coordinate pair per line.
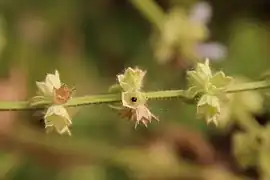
x,y
132,79
57,118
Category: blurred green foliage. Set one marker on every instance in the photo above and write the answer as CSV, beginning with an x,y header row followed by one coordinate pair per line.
x,y
90,42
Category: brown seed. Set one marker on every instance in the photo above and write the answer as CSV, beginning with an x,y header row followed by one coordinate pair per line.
x,y
62,95
134,99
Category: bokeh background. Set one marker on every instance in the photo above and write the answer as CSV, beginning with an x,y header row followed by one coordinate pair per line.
x,y
90,42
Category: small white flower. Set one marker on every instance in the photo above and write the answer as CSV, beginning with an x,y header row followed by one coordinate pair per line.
x,y
201,13
58,117
51,82
214,51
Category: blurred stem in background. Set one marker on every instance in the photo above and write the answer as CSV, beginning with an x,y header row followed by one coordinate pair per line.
x,y
111,98
66,153
152,12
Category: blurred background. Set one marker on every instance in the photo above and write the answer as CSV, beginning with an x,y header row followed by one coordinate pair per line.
x,y
90,42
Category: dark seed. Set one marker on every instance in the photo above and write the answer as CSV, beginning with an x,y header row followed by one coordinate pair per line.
x,y
133,99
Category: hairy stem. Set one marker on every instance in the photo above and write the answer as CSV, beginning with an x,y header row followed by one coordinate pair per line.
x,y
150,10
249,86
247,122
111,98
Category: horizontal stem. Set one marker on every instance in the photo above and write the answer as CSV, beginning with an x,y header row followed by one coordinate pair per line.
x,y
249,86
111,98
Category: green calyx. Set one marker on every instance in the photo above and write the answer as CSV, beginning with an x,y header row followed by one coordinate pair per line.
x,y
210,88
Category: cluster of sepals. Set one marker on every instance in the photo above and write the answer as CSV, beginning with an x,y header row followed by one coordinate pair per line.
x,y
209,89
54,93
133,98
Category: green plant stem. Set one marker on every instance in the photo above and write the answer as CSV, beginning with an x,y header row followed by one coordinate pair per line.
x,y
249,86
151,11
245,121
111,98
